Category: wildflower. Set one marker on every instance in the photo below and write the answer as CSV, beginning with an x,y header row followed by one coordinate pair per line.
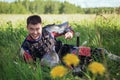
x,y
58,71
71,59
96,67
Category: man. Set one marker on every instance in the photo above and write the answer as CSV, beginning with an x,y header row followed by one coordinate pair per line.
x,y
40,42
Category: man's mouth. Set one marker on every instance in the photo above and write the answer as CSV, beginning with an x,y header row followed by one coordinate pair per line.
x,y
34,36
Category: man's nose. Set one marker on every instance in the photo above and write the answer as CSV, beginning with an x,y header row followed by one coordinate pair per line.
x,y
35,32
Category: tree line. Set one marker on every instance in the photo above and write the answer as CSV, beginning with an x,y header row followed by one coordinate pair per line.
x,y
50,7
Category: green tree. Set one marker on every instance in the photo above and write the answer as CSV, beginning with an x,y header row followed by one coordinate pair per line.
x,y
17,8
26,4
39,6
4,7
51,7
68,8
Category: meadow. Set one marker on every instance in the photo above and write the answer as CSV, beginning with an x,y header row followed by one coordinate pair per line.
x,y
98,30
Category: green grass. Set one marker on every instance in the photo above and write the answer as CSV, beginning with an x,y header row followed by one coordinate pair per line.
x,y
98,33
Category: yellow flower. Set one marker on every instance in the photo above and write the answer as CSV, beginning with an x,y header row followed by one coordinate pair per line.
x,y
96,67
71,59
58,71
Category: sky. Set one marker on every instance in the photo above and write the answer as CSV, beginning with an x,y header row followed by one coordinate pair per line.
x,y
90,3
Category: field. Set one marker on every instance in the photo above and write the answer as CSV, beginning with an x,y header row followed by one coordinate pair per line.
x,y
98,30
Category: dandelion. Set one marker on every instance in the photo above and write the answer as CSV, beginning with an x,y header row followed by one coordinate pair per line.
x,y
96,67
71,59
58,71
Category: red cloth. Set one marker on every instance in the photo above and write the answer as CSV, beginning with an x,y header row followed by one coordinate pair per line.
x,y
84,51
27,57
57,34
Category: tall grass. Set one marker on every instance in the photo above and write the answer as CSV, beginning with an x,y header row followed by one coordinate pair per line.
x,y
100,32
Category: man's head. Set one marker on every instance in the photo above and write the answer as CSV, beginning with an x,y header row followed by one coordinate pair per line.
x,y
34,26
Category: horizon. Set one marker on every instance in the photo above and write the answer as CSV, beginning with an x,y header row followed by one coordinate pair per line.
x,y
88,3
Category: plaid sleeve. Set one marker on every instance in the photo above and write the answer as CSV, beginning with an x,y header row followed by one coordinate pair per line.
x,y
25,55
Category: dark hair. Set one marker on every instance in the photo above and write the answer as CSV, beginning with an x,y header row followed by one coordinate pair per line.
x,y
34,19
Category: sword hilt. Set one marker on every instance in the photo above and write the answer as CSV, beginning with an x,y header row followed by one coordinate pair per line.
x,y
78,39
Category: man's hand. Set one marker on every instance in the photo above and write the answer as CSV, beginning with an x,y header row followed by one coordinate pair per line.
x,y
68,35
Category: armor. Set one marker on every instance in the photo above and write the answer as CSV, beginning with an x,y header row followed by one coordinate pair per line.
x,y
41,47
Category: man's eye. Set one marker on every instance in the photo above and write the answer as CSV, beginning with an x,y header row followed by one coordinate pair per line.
x,y
37,28
31,28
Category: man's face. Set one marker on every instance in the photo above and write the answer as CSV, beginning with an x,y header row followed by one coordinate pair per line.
x,y
35,30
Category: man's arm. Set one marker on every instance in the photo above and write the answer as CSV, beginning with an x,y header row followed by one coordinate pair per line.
x,y
25,53
61,29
